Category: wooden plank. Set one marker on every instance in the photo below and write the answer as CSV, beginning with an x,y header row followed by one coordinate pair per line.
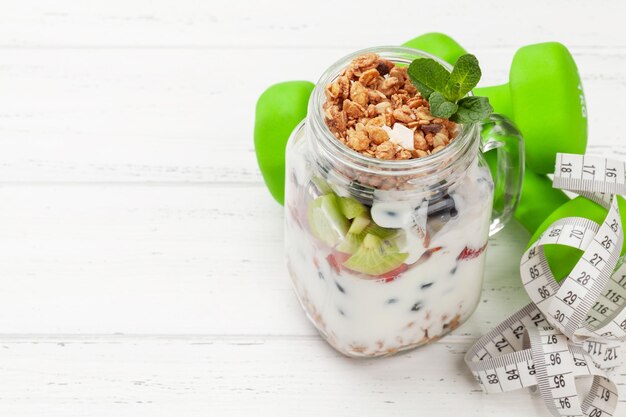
x,y
116,115
248,23
60,376
172,259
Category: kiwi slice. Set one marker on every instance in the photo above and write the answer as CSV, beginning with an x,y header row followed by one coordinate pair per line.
x,y
361,226
359,223
351,208
375,256
363,222
381,232
326,221
351,243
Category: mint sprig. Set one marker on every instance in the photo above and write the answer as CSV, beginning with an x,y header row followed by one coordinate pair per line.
x,y
446,91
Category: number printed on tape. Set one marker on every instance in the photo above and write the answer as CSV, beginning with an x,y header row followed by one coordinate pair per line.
x,y
574,328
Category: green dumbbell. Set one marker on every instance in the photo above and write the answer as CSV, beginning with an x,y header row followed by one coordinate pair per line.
x,y
544,98
278,111
538,198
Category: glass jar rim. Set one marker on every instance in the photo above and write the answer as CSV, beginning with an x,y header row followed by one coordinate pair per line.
x,y
329,143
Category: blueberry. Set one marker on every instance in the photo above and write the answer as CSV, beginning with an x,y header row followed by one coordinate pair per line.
x,y
417,306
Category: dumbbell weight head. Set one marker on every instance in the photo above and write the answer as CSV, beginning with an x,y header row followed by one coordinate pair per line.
x,y
278,111
544,97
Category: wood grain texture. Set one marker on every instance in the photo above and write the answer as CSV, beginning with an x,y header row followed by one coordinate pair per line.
x,y
141,260
159,376
297,25
119,115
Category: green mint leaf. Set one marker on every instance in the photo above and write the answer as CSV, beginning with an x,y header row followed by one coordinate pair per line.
x,y
446,91
428,75
463,78
472,110
440,107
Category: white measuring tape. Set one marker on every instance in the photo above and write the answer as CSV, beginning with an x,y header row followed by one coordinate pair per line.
x,y
574,328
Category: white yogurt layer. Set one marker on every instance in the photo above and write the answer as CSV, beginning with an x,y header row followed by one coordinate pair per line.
x,y
362,316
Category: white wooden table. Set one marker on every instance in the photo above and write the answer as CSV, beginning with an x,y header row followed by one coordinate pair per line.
x,y
141,262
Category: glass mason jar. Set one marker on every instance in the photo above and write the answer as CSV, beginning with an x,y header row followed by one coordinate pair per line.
x,y
384,255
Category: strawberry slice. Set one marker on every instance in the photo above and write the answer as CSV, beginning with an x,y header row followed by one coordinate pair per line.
x,y
426,255
469,253
336,259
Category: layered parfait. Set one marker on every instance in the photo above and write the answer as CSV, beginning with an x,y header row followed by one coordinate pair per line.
x,y
384,270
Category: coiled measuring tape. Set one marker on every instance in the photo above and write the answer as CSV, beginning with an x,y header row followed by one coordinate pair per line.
x,y
574,328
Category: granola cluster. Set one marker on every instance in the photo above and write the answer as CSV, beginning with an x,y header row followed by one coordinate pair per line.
x,y
373,108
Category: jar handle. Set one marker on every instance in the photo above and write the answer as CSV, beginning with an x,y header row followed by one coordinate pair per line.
x,y
500,134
